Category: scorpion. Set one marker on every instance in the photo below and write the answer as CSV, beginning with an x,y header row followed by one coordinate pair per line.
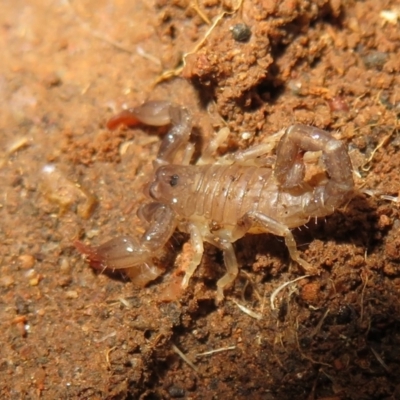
x,y
219,201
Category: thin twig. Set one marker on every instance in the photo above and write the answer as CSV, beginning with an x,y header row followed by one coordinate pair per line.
x,y
185,359
303,354
380,360
319,325
247,311
220,350
276,291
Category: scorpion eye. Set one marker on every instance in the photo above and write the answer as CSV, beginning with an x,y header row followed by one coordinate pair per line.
x,y
174,180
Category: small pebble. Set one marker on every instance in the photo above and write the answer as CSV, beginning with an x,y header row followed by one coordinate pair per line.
x,y
295,87
71,294
375,59
34,281
6,281
27,261
246,135
241,32
65,267
176,392
384,221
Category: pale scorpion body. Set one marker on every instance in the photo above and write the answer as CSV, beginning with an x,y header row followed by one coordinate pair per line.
x,y
220,201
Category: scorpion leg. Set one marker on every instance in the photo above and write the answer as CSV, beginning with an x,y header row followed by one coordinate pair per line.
x,y
222,239
196,239
208,154
244,157
254,218
232,268
198,234
289,167
160,113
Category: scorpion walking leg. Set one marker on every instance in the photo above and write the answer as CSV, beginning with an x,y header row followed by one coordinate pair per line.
x,y
232,269
196,240
272,226
208,154
245,157
253,152
223,240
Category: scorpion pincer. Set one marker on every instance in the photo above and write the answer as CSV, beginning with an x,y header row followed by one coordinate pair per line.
x,y
219,201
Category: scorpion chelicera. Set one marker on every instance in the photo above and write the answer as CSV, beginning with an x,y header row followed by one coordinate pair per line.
x,y
220,200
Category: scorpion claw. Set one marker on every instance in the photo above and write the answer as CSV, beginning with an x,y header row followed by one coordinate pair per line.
x,y
95,261
122,253
125,118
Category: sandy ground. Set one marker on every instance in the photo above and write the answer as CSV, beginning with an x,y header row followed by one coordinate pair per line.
x,y
70,333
